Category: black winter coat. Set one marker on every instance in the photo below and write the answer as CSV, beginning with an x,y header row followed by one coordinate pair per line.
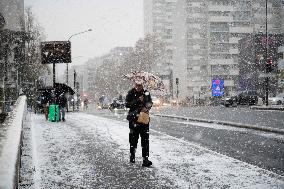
x,y
134,103
61,101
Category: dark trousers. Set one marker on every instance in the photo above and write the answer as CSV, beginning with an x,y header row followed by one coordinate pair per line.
x,y
135,131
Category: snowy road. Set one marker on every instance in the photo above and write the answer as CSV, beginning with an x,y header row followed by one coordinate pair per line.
x,y
89,151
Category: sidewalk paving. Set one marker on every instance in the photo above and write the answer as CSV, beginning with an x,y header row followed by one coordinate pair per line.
x,y
89,151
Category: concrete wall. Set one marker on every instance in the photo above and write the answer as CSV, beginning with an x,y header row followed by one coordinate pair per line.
x,y
179,52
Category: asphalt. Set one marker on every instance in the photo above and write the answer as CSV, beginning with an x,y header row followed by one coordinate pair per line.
x,y
241,125
263,118
249,117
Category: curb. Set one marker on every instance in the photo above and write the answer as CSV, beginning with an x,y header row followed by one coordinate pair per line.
x,y
260,128
267,108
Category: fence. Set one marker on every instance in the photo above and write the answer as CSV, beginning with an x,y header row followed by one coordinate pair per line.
x,y
10,145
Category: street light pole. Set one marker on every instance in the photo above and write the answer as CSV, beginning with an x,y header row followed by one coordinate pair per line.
x,y
266,56
79,33
74,89
69,40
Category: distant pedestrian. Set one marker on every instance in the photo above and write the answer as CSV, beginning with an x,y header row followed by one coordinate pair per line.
x,y
45,101
86,102
138,100
62,102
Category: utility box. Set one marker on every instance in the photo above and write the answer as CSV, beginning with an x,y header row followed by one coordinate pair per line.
x,y
53,113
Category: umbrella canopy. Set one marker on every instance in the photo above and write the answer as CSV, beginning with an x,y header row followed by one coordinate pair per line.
x,y
63,88
59,88
148,80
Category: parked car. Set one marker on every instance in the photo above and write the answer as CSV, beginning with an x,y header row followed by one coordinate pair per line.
x,y
229,101
156,101
247,98
277,100
103,103
243,98
117,103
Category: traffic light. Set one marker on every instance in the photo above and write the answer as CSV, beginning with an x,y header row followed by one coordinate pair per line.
x,y
269,65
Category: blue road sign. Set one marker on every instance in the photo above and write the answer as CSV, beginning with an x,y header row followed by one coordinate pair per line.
x,y
218,87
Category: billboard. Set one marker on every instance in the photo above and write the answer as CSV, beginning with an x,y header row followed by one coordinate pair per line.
x,y
218,88
55,52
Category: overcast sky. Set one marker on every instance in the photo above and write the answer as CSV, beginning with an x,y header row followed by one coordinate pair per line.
x,y
114,23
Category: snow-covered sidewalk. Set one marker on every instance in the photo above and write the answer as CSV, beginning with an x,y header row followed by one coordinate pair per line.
x,y
89,151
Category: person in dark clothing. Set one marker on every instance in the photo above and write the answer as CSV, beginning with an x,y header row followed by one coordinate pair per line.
x,y
45,101
139,100
61,101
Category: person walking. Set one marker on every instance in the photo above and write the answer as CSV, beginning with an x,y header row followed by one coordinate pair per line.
x,y
62,101
138,100
45,101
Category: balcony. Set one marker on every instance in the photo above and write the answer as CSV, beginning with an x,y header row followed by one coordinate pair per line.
x,y
241,29
229,83
280,49
221,8
234,40
281,64
218,52
219,30
220,19
234,51
234,72
221,61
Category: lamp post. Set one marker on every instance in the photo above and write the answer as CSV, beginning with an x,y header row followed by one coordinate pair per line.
x,y
69,40
74,89
266,56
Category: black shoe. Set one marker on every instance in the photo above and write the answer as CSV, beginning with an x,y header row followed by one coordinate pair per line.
x,y
63,119
146,163
59,120
132,159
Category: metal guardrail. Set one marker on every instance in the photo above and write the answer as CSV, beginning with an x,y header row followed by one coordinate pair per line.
x,y
10,145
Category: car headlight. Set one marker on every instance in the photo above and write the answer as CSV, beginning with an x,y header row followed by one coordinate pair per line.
x,y
157,101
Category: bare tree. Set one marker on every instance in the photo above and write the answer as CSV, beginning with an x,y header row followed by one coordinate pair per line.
x,y
146,54
32,69
109,76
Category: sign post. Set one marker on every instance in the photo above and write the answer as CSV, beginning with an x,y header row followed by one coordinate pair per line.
x,y
177,82
218,87
53,52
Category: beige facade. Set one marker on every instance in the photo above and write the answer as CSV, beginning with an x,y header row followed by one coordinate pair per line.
x,y
209,40
158,21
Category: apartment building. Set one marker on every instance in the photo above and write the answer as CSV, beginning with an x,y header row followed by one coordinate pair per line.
x,y
253,63
158,21
206,35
